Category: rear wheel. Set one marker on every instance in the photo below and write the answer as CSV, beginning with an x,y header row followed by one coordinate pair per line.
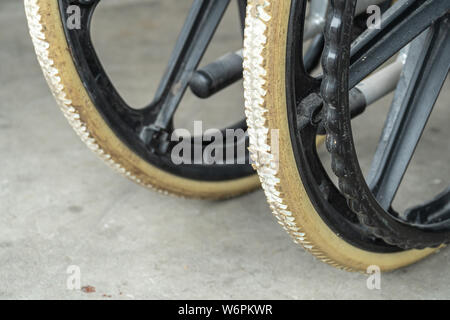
x,y
134,142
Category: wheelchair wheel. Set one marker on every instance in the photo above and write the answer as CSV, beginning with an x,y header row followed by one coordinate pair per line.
x,y
343,225
133,142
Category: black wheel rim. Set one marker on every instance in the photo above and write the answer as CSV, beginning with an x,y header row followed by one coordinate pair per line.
x,y
128,123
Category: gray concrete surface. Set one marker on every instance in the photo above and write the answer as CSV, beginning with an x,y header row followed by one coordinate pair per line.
x,y
61,206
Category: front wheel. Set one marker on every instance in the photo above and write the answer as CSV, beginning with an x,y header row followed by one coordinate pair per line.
x,y
280,95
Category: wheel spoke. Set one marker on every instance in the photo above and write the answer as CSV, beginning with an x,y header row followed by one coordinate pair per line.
x,y
315,20
242,6
425,71
401,23
198,30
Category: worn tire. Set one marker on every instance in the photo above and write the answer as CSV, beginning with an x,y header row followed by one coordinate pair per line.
x,y
52,50
266,110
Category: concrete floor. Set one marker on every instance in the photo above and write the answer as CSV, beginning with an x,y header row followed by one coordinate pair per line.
x,y
61,206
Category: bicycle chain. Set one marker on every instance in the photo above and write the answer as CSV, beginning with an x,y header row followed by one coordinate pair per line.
x,y
339,142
